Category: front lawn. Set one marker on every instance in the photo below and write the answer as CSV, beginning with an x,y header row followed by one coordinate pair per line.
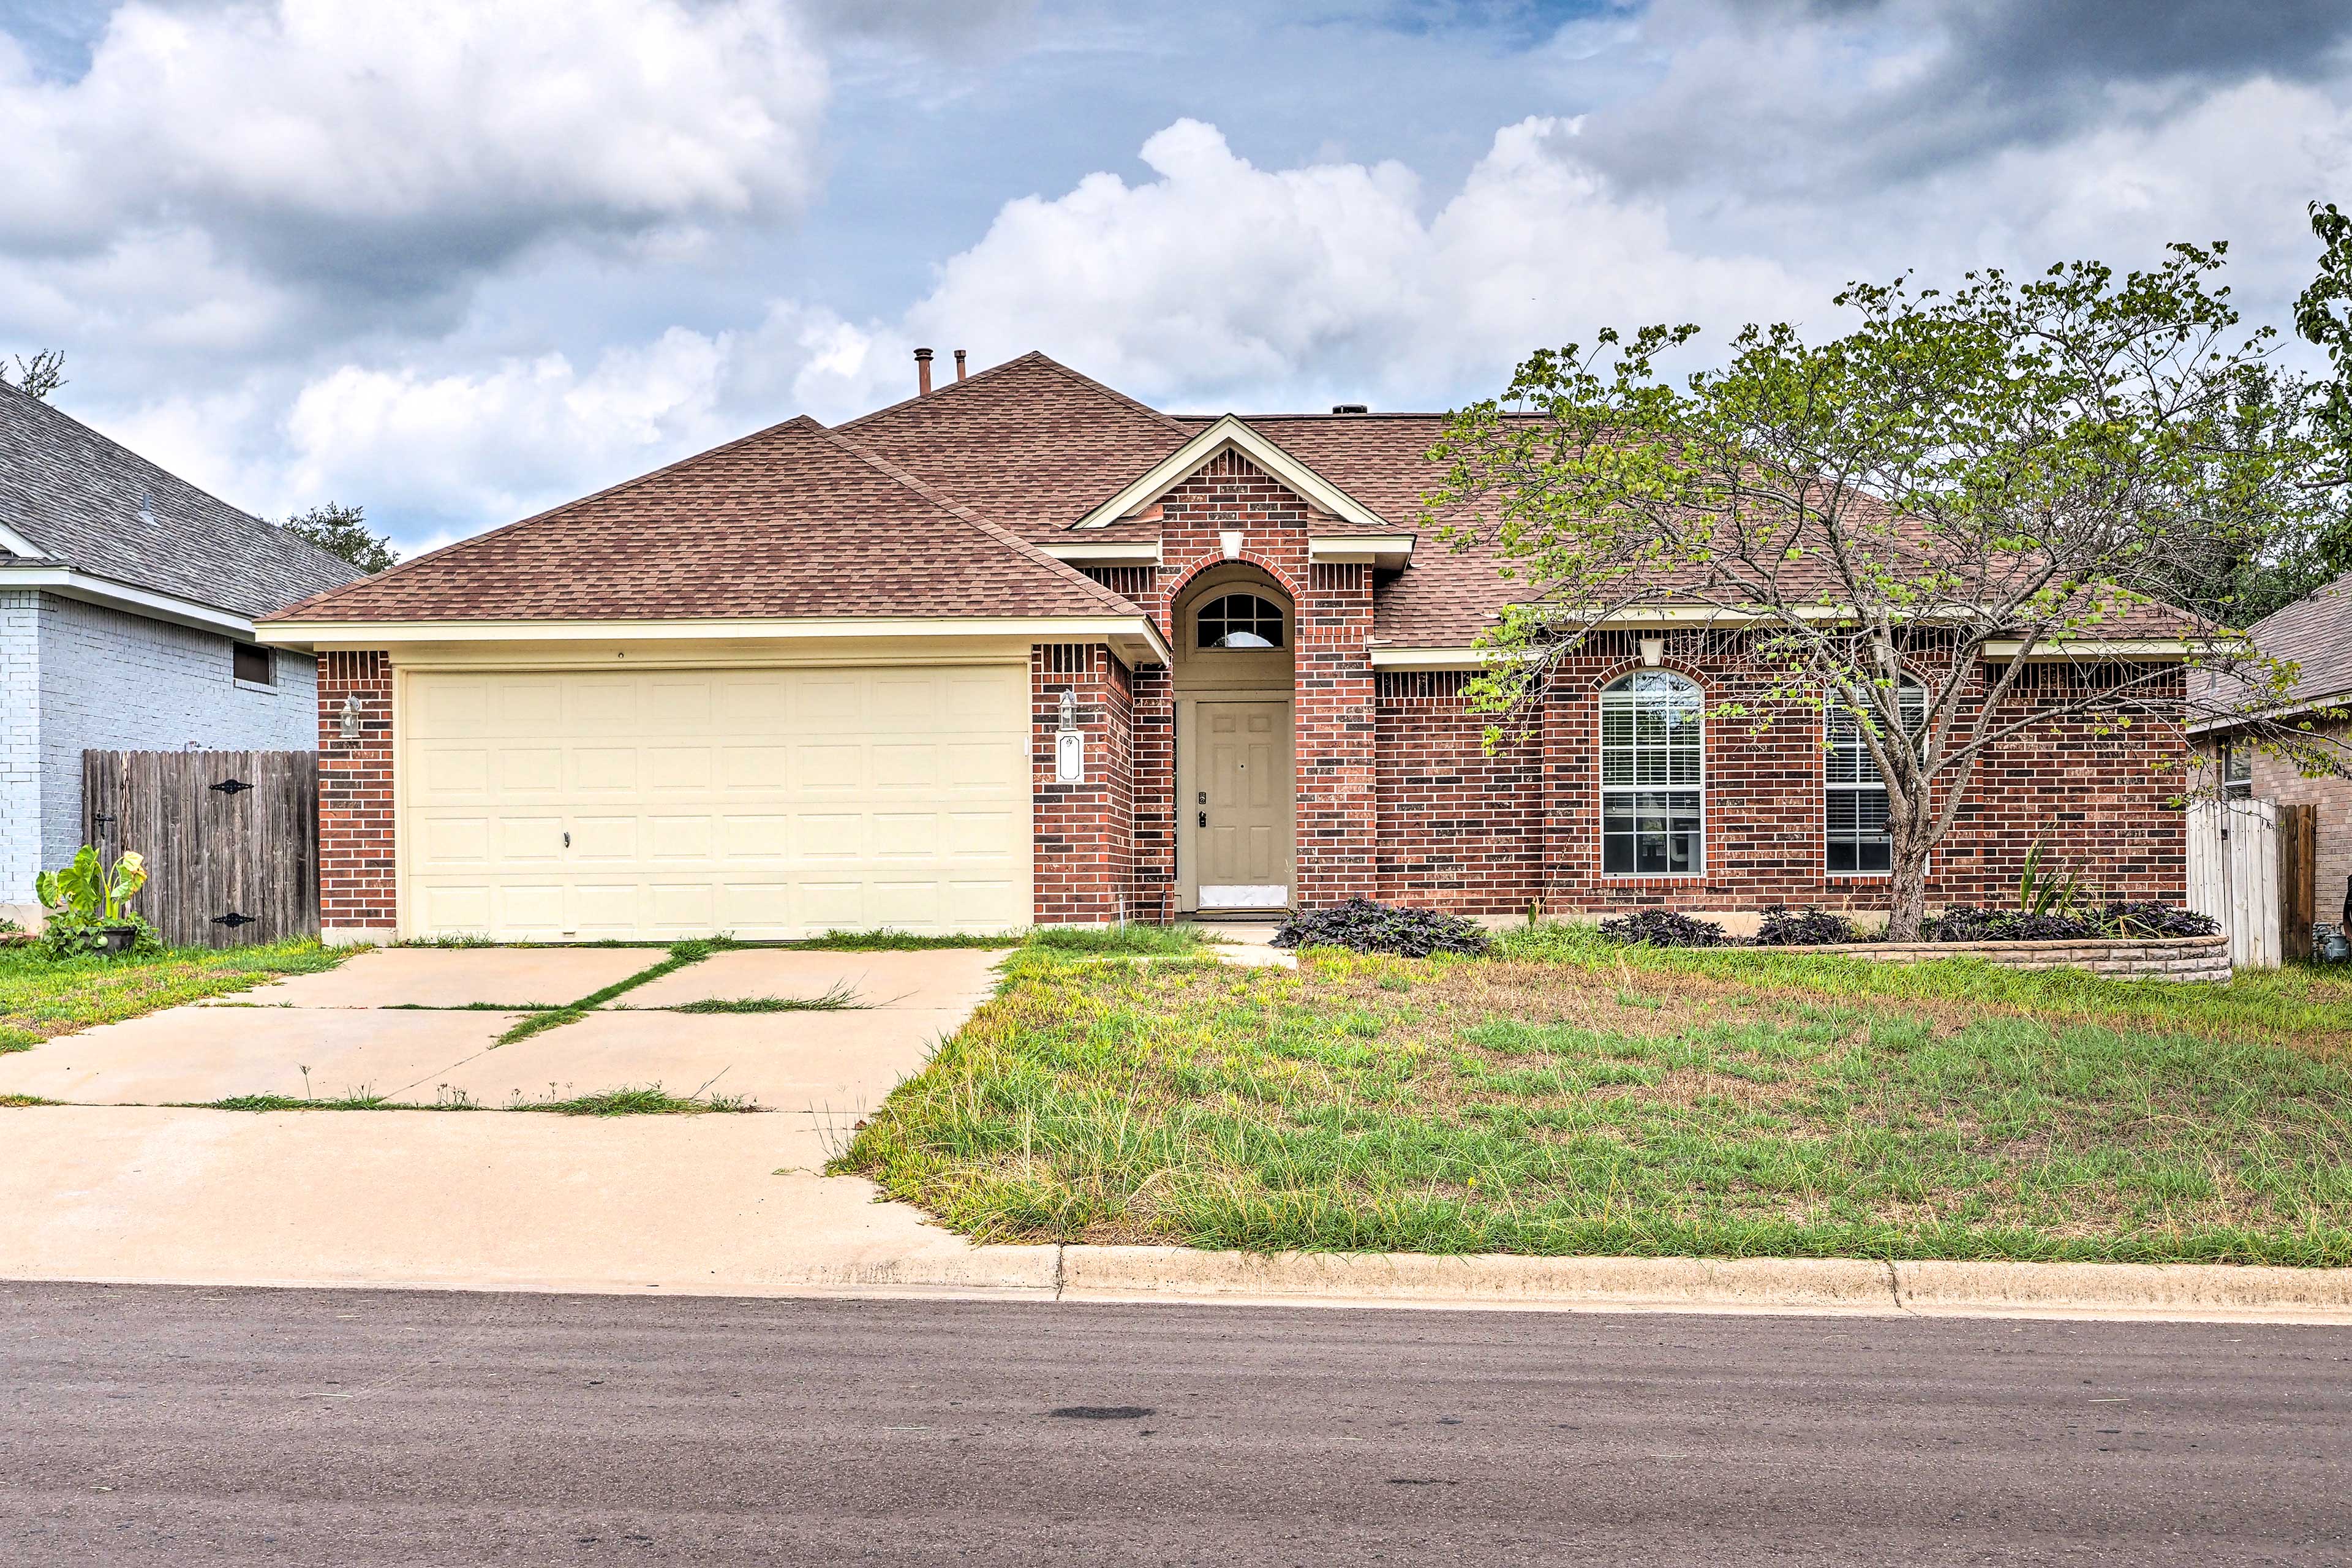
x,y
40,998
1579,1098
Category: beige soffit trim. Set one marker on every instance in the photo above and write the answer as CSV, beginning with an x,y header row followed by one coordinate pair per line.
x,y
72,585
1232,431
1388,552
2063,648
1431,658
1132,632
1107,552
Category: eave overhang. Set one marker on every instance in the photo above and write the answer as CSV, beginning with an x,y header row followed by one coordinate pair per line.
x,y
1105,553
104,592
1384,552
1133,637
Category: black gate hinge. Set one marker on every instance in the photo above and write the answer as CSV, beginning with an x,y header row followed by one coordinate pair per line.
x,y
233,919
231,787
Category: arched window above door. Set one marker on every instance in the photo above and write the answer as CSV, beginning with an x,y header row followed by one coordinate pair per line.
x,y
1240,620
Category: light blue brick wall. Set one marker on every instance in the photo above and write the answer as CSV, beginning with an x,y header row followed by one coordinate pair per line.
x,y
109,680
20,744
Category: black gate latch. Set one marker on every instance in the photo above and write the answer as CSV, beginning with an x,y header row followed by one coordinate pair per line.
x,y
233,919
231,787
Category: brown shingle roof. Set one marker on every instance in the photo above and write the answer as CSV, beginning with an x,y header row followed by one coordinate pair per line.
x,y
1030,443
795,520
2314,633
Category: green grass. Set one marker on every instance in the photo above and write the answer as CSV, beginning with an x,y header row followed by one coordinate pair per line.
x,y
680,954
41,998
1636,1101
18,1101
649,1101
839,997
882,939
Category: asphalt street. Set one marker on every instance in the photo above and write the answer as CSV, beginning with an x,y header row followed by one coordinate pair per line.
x,y
143,1425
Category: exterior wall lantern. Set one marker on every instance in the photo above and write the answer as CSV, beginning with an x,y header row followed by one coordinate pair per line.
x,y
354,711
1069,744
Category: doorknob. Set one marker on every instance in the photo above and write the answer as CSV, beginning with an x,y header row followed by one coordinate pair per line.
x,y
1205,819
567,841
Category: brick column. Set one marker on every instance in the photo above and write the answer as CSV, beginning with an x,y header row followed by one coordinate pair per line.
x,y
357,899
1339,814
1084,832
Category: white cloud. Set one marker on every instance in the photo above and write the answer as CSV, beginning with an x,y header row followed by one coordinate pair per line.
x,y
392,146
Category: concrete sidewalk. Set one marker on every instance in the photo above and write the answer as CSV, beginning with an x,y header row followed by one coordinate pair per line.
x,y
733,1206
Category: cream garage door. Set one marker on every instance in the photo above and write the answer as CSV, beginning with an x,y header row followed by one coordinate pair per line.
x,y
763,803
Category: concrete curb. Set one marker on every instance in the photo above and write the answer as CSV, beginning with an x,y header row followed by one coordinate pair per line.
x,y
1797,1285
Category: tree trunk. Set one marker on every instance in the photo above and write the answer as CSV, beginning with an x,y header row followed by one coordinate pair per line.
x,y
1907,890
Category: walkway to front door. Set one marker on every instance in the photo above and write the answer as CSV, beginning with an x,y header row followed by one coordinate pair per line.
x,y
1243,804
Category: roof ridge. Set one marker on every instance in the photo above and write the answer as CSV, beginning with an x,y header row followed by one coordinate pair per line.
x,y
965,514
1114,394
471,540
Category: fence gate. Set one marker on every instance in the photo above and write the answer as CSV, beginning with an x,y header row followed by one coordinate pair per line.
x,y
2251,866
230,838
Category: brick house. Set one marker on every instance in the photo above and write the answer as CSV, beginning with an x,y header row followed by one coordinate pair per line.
x,y
127,603
1024,649
2315,635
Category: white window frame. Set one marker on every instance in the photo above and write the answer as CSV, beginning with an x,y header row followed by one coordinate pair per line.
x,y
2233,785
1633,684
1833,745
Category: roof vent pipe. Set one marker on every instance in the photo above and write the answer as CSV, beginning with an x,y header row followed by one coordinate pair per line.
x,y
922,372
959,364
1352,408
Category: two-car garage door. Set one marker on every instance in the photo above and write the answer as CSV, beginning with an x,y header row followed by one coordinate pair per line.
x,y
765,803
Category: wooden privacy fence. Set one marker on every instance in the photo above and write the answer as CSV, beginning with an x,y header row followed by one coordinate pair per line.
x,y
230,838
2250,866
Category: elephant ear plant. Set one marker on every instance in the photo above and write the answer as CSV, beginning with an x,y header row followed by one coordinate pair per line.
x,y
86,906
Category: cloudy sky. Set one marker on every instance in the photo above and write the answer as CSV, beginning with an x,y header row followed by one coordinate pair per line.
x,y
458,260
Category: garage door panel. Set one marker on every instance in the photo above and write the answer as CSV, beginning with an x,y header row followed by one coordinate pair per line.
x,y
767,802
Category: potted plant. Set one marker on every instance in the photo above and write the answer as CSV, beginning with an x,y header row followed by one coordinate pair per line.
x,y
87,905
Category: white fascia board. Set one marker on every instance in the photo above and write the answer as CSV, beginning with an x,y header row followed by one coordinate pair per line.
x,y
1389,552
1132,633
1107,552
67,582
1431,658
1232,431
16,543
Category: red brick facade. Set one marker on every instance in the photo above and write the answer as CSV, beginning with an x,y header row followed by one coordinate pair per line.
x,y
1084,833
356,887
1398,796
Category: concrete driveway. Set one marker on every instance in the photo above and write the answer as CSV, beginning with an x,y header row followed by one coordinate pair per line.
x,y
421,1024
132,1180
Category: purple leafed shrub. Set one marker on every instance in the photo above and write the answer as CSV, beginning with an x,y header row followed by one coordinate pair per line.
x,y
1803,928
1664,928
1368,927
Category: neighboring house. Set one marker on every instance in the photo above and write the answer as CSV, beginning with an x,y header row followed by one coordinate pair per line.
x,y
1024,649
2315,635
126,602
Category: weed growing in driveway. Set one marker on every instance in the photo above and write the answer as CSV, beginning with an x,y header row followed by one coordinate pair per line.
x,y
839,996
882,939
1460,1105
681,953
650,1101
296,1102
16,1101
1137,941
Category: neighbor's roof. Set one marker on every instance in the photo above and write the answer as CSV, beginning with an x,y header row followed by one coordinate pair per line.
x,y
85,502
794,520
2314,633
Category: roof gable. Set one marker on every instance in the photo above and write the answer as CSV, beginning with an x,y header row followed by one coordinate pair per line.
x,y
69,497
1232,434
794,521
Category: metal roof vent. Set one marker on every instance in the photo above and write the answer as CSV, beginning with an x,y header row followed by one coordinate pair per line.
x,y
1352,408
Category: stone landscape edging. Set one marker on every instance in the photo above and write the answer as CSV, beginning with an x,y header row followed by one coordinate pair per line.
x,y
2147,958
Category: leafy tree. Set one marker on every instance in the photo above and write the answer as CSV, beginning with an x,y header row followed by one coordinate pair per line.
x,y
1973,496
2322,317
342,531
40,375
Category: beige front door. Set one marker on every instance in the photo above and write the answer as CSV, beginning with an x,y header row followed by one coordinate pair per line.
x,y
1243,804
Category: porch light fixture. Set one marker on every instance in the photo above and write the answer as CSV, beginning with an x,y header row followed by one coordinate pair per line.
x,y
1653,650
352,713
